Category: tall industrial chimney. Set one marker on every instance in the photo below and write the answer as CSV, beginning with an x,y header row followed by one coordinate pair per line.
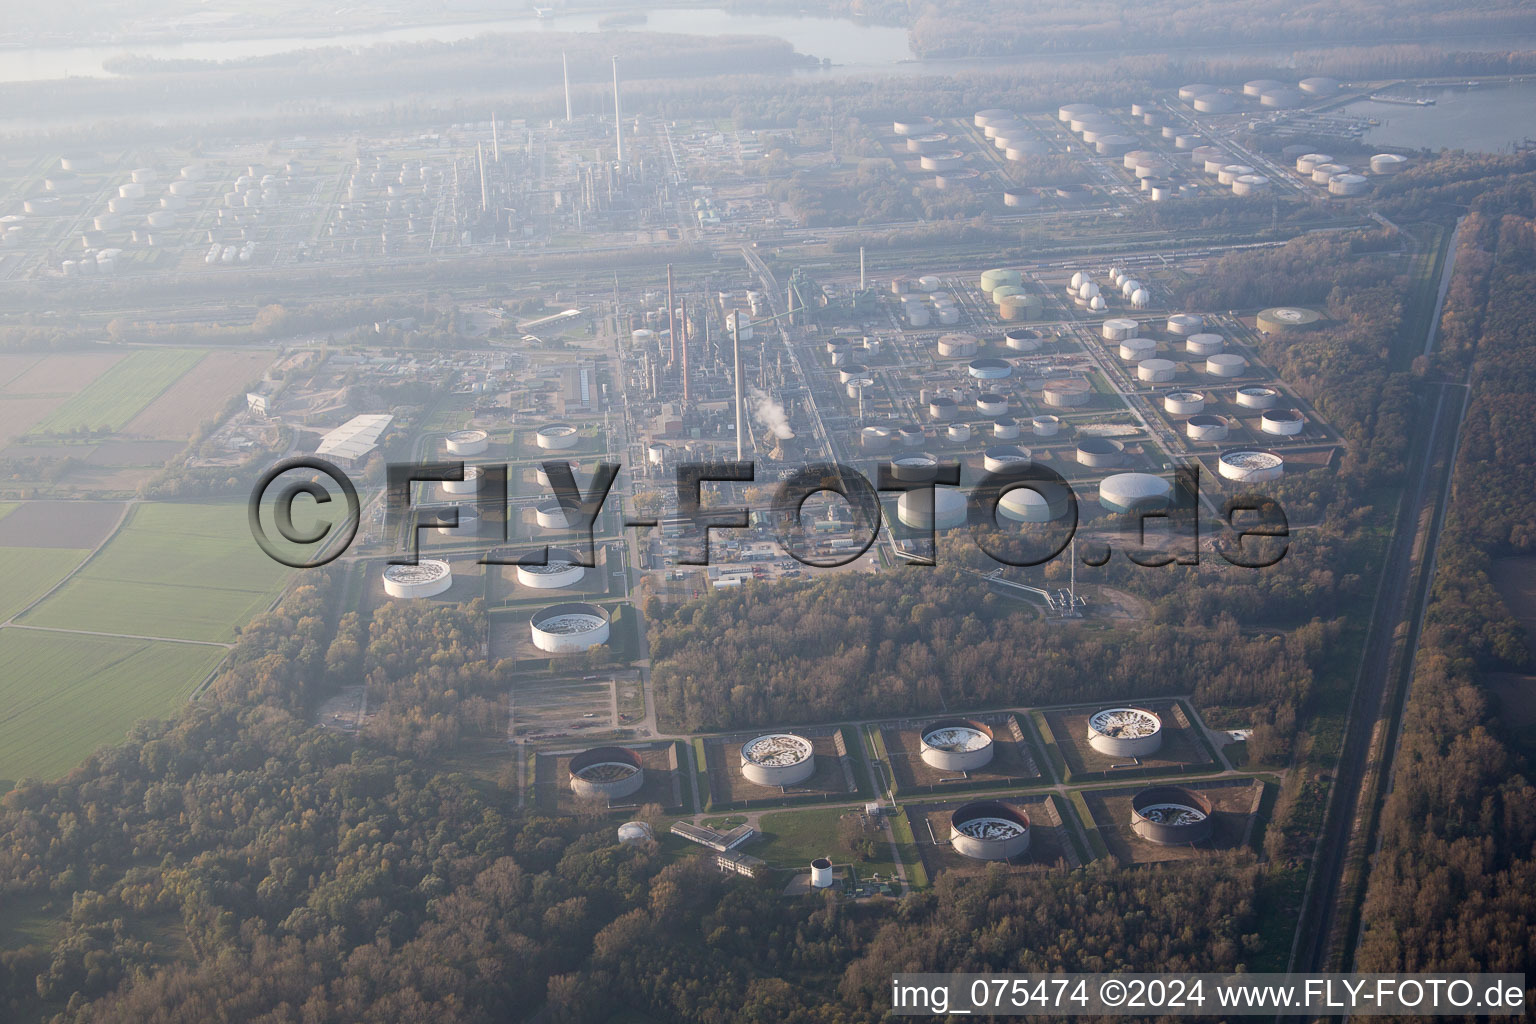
x,y
618,113
565,67
485,195
687,388
496,142
671,320
736,350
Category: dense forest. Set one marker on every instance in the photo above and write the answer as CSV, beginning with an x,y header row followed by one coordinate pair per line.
x,y
237,864
1454,886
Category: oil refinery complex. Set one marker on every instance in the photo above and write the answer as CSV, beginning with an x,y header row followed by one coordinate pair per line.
x,y
729,329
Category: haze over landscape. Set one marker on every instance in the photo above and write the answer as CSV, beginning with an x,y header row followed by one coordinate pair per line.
x,y
637,513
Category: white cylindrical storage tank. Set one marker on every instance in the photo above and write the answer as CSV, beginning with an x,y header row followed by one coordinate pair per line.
x,y
929,143
1134,492
957,744
1066,394
467,442
1283,98
1100,452
172,201
1005,428
1045,426
858,385
1001,456
1120,329
778,760
949,510
876,439
1226,364
1213,165
989,830
107,222
1171,816
943,160
1231,172
161,219
612,773
919,468
1285,422
144,176
1021,339
1206,427
1023,505
1187,93
570,627
551,515
1204,344
917,316
131,191
1387,163
1257,397
1309,162
542,475
562,568
1215,103
657,452
822,876
1184,141
943,409
1259,86
473,478
1068,111
989,403
1184,324
192,172
957,345
992,115
1137,349
1249,184
1319,86
849,371
911,125
1183,403
959,432
989,369
1250,466
1348,184
427,578
1125,732
557,437
1155,370
1322,174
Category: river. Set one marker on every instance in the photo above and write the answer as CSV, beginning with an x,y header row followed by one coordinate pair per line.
x,y
1489,118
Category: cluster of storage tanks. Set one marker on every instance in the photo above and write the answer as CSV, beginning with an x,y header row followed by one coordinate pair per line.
x,y
1268,93
1097,129
1088,294
385,199
926,302
1006,290
1339,178
1012,136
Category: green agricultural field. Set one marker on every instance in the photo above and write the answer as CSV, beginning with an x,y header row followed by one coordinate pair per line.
x,y
30,573
121,393
62,696
190,571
